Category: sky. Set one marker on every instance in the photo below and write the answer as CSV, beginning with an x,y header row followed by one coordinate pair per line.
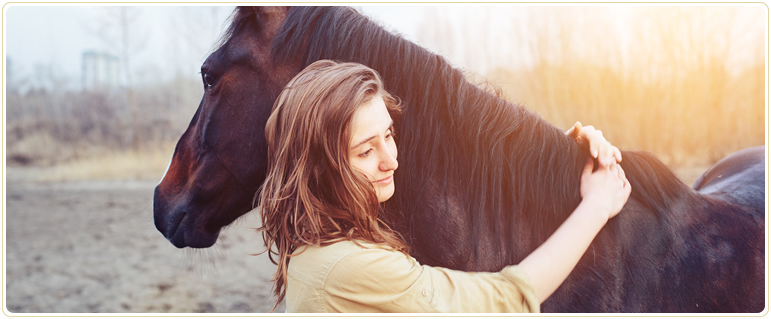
x,y
45,35
58,36
41,36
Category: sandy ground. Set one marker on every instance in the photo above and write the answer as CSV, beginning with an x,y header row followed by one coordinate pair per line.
x,y
91,247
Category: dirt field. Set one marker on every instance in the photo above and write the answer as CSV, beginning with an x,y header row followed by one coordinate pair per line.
x,y
91,247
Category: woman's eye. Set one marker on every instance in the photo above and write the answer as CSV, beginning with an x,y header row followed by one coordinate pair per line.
x,y
366,153
391,132
208,80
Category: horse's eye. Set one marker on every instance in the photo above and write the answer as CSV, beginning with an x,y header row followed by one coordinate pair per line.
x,y
208,80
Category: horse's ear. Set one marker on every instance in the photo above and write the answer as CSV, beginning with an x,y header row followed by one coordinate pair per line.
x,y
270,10
267,13
267,17
266,21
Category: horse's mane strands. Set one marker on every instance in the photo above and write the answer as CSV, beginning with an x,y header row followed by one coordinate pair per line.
x,y
236,19
448,116
463,136
654,184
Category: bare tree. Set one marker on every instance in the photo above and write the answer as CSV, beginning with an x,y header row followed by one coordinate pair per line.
x,y
193,33
121,33
14,78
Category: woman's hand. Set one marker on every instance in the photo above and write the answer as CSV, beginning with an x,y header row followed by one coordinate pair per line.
x,y
605,153
606,190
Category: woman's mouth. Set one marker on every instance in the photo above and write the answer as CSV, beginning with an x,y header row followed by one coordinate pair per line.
x,y
384,181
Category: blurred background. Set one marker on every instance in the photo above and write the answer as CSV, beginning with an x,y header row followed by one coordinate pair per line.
x,y
104,92
96,98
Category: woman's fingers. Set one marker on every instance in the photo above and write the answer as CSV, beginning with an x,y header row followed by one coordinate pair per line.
x,y
574,131
588,167
617,176
599,147
606,152
591,136
619,190
616,154
627,185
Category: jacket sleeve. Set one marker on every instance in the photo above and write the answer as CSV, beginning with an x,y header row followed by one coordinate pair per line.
x,y
377,280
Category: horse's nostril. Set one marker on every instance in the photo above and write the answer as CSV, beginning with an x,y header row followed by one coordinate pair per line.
x,y
175,228
174,223
167,221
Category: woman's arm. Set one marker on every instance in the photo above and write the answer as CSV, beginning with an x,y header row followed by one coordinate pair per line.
x,y
375,279
604,192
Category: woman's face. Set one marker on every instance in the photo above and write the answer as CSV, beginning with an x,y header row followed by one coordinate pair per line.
x,y
373,150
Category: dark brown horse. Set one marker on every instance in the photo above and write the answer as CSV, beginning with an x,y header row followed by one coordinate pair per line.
x,y
482,182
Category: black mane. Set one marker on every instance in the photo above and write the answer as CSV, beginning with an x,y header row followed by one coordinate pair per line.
x,y
496,157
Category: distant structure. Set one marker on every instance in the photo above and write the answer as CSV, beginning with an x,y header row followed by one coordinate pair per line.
x,y
100,71
10,75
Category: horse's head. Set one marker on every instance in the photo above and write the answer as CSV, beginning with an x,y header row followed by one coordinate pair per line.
x,y
203,190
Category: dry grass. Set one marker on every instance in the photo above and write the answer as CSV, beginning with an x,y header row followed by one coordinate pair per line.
x,y
148,164
119,165
686,83
689,86
57,136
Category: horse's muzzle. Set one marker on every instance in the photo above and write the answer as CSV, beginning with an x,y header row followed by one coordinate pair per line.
x,y
178,226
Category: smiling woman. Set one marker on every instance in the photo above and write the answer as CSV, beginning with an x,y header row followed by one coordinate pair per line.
x,y
331,163
314,193
374,150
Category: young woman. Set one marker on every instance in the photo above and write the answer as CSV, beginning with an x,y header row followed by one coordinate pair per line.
x,y
332,157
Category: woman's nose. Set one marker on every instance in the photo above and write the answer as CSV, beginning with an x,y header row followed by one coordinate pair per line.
x,y
388,160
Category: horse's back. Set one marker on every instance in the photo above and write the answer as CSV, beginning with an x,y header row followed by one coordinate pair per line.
x,y
739,178
738,181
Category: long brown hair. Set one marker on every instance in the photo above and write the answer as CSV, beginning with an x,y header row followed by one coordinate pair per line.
x,y
312,195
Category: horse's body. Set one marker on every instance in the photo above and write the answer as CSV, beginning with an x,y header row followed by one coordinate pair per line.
x,y
481,183
739,178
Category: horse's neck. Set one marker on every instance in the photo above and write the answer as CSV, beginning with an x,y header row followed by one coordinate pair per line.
x,y
534,167
520,164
